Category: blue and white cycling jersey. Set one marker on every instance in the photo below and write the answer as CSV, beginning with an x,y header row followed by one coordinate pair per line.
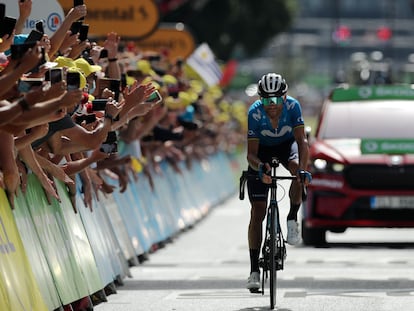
x,y
260,127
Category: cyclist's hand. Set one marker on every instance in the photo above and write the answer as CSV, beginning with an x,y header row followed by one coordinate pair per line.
x,y
264,169
305,177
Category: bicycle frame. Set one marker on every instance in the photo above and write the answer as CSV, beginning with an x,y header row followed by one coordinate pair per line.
x,y
274,249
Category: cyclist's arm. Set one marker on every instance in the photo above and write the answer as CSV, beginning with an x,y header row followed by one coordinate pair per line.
x,y
303,148
254,161
252,151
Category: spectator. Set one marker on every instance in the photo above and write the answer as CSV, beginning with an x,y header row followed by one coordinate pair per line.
x,y
53,131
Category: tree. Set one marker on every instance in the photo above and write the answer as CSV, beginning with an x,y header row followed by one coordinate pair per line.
x,y
227,25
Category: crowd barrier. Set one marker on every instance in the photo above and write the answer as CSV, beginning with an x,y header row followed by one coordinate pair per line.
x,y
54,259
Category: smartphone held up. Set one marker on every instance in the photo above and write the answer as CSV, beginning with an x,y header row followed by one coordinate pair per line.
x,y
26,84
73,80
77,3
54,75
154,98
110,145
7,26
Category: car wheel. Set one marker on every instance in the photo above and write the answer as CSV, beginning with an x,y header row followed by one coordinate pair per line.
x,y
313,236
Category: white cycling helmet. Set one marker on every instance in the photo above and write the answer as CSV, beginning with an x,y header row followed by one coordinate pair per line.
x,y
272,85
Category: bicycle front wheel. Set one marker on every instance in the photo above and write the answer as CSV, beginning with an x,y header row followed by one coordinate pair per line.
x,y
273,252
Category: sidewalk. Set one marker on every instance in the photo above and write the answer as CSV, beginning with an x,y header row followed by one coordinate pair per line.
x,y
205,268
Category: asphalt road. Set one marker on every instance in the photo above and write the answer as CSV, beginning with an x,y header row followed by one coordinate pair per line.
x,y
205,268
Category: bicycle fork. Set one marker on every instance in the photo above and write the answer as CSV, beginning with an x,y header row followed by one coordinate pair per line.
x,y
280,256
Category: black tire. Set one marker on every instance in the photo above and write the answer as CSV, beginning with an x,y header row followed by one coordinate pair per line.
x,y
273,252
313,236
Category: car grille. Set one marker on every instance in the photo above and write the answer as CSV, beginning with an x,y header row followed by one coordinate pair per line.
x,y
380,177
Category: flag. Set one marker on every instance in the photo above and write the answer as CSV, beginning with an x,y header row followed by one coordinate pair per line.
x,y
203,62
229,71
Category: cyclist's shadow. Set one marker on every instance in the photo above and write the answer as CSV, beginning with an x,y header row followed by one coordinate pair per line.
x,y
262,309
366,245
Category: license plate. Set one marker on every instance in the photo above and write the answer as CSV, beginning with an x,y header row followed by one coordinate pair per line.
x,y
392,202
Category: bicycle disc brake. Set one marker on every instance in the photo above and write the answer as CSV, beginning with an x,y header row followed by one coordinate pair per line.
x,y
264,262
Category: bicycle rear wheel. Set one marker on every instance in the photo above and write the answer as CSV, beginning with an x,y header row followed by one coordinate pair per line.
x,y
273,252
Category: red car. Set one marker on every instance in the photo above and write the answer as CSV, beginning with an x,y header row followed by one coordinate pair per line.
x,y
362,162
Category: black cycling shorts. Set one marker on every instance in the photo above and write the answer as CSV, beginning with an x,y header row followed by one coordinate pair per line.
x,y
285,152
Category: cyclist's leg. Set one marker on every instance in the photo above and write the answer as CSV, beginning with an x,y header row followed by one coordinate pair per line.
x,y
257,215
258,199
257,192
290,160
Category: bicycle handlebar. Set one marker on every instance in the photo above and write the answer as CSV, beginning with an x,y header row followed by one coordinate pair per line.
x,y
245,176
274,164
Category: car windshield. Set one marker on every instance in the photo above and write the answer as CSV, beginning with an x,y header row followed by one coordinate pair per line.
x,y
368,119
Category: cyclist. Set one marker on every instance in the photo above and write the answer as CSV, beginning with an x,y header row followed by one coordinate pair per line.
x,y
275,129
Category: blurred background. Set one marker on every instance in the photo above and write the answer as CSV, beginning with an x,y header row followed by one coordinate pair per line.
x,y
315,44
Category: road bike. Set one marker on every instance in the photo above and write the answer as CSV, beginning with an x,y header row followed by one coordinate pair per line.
x,y
273,249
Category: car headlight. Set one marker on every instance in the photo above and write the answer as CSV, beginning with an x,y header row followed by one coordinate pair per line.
x,y
321,165
338,167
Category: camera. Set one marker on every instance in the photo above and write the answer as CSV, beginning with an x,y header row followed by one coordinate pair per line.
x,y
40,26
88,118
110,145
76,27
99,104
73,80
54,75
76,3
2,10
110,84
83,32
155,97
26,84
8,24
109,148
34,36
103,53
18,50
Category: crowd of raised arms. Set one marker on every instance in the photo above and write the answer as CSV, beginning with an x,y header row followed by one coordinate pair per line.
x,y
72,106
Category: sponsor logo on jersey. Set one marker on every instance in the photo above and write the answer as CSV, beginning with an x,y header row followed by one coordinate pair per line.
x,y
257,115
290,105
286,129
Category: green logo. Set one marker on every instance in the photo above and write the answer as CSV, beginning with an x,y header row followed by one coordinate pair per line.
x,y
387,146
373,93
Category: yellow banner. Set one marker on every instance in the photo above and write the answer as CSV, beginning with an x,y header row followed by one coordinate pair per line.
x,y
18,289
128,18
177,40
